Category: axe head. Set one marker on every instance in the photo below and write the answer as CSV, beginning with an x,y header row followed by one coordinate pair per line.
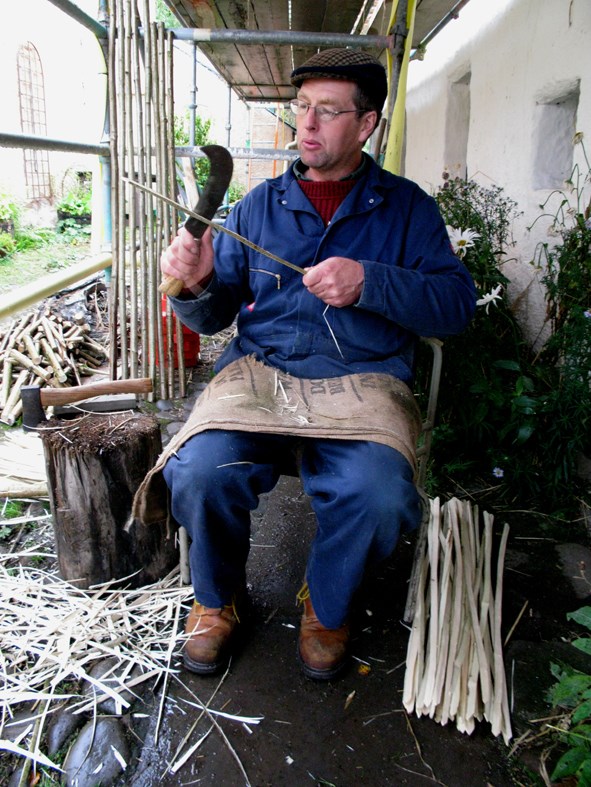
x,y
220,174
33,412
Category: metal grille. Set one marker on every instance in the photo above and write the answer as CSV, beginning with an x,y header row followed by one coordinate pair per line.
x,y
31,89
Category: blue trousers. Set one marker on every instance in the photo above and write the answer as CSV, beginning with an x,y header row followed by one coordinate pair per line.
x,y
362,493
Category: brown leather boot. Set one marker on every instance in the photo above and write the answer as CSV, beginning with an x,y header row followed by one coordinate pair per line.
x,y
323,652
211,633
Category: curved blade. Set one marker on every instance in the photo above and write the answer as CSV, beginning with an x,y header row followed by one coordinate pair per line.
x,y
220,175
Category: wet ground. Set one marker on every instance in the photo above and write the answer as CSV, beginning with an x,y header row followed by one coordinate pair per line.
x,y
352,731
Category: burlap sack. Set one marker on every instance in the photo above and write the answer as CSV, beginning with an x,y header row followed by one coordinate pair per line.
x,y
249,396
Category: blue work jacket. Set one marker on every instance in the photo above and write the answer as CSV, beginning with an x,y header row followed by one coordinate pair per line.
x,y
414,284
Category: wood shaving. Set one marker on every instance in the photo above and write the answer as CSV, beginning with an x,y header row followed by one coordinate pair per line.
x,y
52,632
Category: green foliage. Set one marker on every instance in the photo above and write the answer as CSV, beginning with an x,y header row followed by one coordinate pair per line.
x,y
76,202
10,510
486,402
235,192
182,138
10,210
165,15
572,693
201,165
7,245
514,420
74,232
14,236
566,357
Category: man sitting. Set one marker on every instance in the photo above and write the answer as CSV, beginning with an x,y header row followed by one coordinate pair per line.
x,y
380,272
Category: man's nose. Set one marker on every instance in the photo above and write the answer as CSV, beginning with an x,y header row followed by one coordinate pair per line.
x,y
310,118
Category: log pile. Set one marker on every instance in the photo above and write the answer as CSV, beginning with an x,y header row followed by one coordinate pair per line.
x,y
42,348
454,665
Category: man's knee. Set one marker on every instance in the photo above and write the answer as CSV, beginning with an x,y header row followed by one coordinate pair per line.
x,y
204,460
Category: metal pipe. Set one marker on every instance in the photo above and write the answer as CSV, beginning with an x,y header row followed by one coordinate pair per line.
x,y
419,51
299,37
21,298
268,154
80,16
45,143
107,228
193,104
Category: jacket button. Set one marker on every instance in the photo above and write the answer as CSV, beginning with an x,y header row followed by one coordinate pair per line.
x,y
284,202
371,202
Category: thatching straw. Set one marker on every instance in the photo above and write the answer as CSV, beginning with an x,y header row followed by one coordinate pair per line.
x,y
454,668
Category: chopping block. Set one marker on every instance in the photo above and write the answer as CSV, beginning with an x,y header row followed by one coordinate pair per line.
x,y
94,467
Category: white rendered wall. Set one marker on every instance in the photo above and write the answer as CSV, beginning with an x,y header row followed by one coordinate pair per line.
x,y
519,58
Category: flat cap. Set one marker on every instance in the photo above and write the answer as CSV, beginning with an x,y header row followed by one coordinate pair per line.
x,y
352,65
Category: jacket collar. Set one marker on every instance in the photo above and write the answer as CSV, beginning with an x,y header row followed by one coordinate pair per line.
x,y
374,182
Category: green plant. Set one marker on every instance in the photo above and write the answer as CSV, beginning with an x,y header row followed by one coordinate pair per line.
x,y
10,510
572,693
10,210
486,408
565,360
165,15
235,192
511,422
73,232
76,202
7,245
33,237
182,139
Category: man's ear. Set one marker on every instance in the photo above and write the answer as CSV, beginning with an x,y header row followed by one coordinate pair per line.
x,y
369,122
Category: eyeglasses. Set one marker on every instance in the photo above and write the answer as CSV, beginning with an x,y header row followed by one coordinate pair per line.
x,y
323,114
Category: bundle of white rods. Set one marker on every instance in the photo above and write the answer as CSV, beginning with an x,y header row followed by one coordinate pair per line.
x,y
454,666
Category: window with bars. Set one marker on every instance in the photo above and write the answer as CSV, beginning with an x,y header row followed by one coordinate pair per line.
x,y
31,90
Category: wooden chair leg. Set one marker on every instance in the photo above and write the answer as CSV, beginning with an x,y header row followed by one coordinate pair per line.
x,y
184,556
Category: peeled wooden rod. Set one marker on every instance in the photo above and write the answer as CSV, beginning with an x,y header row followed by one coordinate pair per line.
x,y
220,227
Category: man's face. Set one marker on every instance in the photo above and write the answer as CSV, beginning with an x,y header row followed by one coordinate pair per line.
x,y
331,149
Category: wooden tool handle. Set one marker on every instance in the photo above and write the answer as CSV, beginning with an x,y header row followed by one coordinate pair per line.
x,y
171,286
55,396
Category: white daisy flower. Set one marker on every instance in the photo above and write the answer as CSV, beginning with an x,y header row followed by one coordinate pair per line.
x,y
461,240
490,297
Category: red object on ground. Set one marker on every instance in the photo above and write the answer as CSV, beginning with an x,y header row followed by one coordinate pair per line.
x,y
191,340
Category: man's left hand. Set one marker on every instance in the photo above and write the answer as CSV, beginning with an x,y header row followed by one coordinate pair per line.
x,y
337,281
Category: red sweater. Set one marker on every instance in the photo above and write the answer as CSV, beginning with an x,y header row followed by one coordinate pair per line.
x,y
326,195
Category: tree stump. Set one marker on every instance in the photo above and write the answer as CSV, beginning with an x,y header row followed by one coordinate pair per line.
x,y
94,466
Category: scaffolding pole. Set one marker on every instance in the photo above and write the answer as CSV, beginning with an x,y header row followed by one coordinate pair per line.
x,y
80,16
298,37
46,143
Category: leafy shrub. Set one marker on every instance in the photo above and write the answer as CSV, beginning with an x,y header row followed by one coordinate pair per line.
x,y
181,139
510,422
7,245
10,210
77,202
485,398
572,693
72,231
33,237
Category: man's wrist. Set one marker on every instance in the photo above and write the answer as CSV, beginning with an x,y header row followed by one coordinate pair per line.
x,y
196,289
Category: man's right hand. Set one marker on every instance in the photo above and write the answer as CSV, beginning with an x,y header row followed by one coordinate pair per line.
x,y
189,260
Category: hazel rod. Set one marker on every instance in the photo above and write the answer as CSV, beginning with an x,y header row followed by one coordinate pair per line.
x,y
220,227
